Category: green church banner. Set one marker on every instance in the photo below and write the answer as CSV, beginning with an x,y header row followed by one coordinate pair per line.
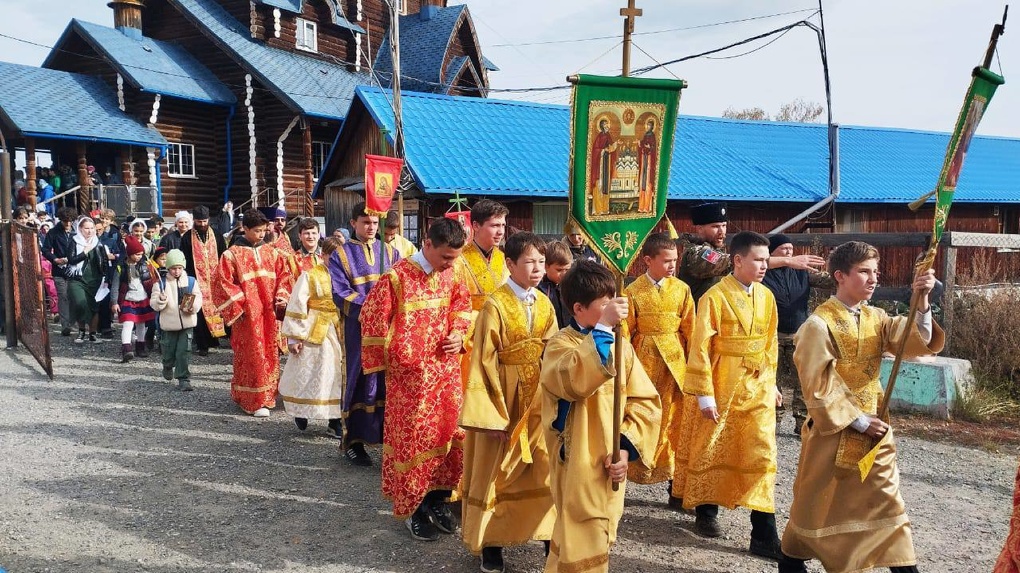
x,y
621,137
982,88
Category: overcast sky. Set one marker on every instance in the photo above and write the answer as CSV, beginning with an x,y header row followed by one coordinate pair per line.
x,y
903,63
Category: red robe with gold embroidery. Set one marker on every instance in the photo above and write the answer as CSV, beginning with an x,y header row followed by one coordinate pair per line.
x,y
247,282
1009,560
404,321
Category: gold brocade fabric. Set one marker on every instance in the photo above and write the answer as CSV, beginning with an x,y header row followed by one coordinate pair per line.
x,y
588,510
860,348
482,276
847,524
734,351
505,488
660,324
314,314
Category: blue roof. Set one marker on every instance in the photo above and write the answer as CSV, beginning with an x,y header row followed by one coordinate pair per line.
x,y
152,65
424,41
895,166
312,86
521,149
49,103
296,6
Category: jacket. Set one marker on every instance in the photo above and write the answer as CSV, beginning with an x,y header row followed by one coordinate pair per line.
x,y
58,245
171,317
147,272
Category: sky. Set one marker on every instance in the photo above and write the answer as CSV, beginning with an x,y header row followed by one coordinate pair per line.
x,y
902,64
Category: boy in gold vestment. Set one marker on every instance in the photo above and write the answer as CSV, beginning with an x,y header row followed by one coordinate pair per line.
x,y
577,381
505,489
660,323
844,522
732,371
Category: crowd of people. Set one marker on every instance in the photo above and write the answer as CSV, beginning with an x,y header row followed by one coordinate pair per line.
x,y
485,366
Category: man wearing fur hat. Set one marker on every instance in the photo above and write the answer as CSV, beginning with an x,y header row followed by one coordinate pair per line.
x,y
704,260
792,289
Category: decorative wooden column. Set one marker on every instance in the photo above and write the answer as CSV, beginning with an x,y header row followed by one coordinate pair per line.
x,y
127,166
307,205
30,180
85,189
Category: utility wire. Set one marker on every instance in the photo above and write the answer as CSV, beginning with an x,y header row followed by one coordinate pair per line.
x,y
649,33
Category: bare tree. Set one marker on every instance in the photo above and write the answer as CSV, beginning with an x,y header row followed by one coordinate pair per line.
x,y
797,111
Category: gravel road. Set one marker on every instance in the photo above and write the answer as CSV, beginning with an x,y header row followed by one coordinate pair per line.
x,y
110,469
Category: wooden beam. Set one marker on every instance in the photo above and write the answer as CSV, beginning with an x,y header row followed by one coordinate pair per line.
x,y
30,180
873,239
306,203
84,182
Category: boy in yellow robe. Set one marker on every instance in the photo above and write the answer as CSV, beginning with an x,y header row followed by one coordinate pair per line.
x,y
660,324
577,382
849,524
732,371
505,489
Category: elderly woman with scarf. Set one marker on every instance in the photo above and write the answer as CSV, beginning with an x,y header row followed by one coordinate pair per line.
x,y
85,274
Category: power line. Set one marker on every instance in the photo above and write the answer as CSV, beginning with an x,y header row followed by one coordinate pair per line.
x,y
649,33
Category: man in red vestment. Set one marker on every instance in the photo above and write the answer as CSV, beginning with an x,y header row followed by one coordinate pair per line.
x,y
413,325
249,286
1009,560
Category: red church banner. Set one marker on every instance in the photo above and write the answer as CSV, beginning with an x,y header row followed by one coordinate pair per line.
x,y
382,176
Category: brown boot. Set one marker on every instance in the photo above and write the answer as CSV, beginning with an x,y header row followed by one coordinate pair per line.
x,y
140,350
125,353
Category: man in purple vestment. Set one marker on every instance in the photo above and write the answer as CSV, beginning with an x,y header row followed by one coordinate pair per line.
x,y
354,268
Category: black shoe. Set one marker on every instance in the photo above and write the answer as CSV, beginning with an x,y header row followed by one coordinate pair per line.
x,y
357,455
301,423
65,332
82,337
675,503
335,427
767,548
420,527
797,424
441,516
203,352
168,373
92,338
548,545
492,560
707,527
184,384
791,565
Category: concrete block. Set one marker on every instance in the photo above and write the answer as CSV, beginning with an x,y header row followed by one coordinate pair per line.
x,y
929,384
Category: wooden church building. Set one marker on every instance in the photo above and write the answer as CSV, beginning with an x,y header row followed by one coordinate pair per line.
x,y
246,96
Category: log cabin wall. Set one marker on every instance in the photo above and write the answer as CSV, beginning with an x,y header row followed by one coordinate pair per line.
x,y
203,126
334,42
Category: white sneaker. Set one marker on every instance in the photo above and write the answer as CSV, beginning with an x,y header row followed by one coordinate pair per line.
x,y
261,413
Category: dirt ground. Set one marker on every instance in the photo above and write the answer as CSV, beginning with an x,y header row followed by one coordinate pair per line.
x,y
110,469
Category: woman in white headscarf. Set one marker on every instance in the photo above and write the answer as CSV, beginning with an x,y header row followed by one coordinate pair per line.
x,y
85,274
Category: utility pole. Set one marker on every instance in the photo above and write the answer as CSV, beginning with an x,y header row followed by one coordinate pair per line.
x,y
398,125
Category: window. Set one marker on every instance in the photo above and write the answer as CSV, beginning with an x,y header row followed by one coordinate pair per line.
x,y
411,226
548,218
320,152
307,35
180,160
401,6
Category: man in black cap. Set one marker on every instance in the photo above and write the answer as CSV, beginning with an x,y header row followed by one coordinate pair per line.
x,y
704,260
202,247
792,289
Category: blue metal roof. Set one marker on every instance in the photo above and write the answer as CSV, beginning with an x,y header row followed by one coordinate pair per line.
x,y
151,65
50,103
424,40
312,86
296,6
895,166
716,158
521,149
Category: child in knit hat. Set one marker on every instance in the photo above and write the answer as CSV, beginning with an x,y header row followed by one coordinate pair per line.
x,y
132,280
177,298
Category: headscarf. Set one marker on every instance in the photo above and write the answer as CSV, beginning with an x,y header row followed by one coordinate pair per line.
x,y
82,245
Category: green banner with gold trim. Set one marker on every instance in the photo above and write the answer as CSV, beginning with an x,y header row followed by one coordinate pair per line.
x,y
621,150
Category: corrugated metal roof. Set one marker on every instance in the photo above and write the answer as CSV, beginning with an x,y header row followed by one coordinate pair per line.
x,y
62,104
521,149
296,6
152,65
424,40
309,85
895,166
488,146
